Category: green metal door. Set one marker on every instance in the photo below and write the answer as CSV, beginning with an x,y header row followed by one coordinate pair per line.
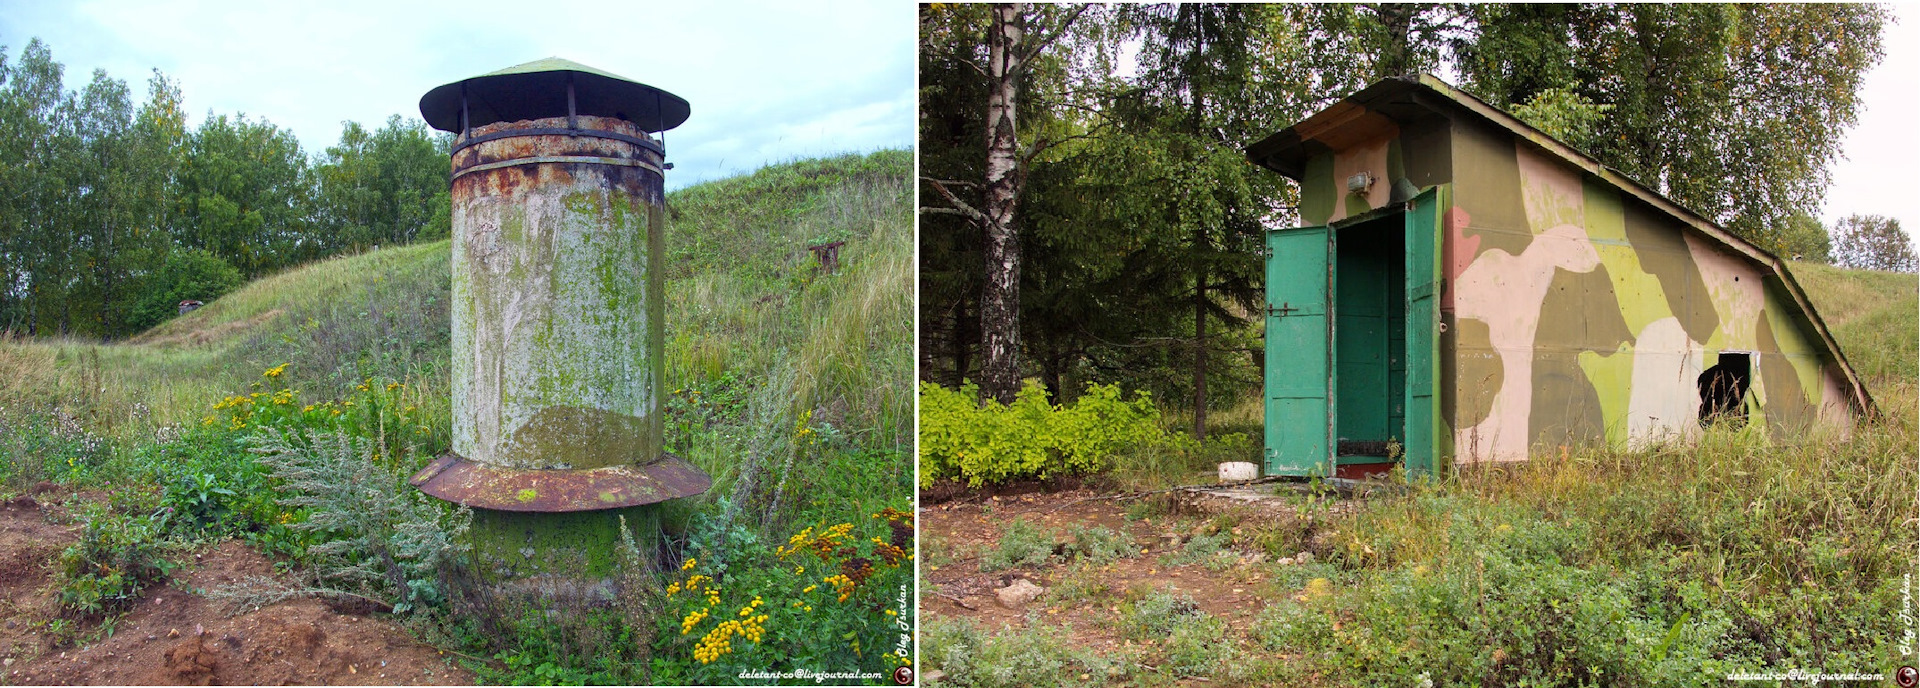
x,y
1299,408
1423,326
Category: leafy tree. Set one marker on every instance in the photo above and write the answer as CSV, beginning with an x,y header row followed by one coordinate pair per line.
x,y
388,186
1565,115
244,194
1735,111
187,274
97,191
35,177
1872,242
1804,238
1211,78
1385,39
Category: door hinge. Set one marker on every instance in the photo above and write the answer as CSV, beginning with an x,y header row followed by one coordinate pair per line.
x,y
1282,310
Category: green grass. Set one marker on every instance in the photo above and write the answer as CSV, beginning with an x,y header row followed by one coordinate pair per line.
x,y
1874,315
1671,566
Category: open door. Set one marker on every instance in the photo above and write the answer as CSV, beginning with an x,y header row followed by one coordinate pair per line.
x,y
1298,376
1423,327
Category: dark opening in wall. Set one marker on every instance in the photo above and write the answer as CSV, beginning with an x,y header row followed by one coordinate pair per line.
x,y
1723,389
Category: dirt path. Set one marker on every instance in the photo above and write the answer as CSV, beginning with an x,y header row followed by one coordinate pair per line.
x,y
176,637
1239,584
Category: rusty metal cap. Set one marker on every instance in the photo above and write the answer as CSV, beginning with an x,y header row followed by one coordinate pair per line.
x,y
539,89
483,486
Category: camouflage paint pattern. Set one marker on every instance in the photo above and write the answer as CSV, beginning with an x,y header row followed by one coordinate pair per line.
x,y
557,303
1575,310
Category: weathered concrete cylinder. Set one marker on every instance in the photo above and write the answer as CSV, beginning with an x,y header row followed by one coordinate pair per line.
x,y
558,314
557,310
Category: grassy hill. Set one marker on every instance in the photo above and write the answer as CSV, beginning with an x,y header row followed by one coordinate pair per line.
x,y
1874,315
742,299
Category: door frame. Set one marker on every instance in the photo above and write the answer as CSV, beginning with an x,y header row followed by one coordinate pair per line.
x,y
1424,443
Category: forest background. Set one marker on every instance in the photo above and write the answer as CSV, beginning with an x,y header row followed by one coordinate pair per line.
x,y
1088,215
114,211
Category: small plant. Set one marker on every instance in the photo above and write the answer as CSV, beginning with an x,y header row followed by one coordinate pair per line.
x,y
1100,545
1022,545
198,501
827,597
1038,656
1143,509
1156,615
1080,584
116,557
1201,549
1288,625
1197,646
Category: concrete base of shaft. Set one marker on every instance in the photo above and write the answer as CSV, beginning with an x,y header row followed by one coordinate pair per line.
x,y
585,545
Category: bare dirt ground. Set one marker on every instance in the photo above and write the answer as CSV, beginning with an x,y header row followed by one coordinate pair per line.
x,y
176,636
1240,584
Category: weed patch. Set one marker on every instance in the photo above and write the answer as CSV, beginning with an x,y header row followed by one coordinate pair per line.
x,y
1100,545
1021,545
1038,656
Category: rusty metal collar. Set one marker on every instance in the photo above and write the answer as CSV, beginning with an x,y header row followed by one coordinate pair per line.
x,y
484,486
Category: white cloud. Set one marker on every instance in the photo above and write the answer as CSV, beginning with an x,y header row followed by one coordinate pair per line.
x,y
767,81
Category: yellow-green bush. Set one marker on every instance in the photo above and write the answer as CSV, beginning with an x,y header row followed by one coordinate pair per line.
x,y
1031,438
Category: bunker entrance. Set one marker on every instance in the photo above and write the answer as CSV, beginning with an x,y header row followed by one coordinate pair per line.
x,y
1351,343
1370,343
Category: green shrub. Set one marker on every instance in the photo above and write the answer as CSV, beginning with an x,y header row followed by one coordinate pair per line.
x,y
1197,646
1286,625
1156,614
38,444
1022,545
384,539
1031,438
1100,545
1084,582
186,274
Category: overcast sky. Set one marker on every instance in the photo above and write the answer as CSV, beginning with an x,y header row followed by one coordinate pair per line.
x,y
1877,176
768,81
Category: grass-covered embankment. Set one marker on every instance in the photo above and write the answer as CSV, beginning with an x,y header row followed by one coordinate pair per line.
x,y
791,387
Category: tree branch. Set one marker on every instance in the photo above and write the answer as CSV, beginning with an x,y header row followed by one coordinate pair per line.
x,y
959,207
1041,43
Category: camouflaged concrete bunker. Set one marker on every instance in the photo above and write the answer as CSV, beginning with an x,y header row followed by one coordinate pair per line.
x,y
1468,289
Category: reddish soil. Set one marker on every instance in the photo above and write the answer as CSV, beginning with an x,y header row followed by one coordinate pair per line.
x,y
175,636
966,527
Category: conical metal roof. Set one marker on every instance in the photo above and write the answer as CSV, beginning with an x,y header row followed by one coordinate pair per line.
x,y
539,89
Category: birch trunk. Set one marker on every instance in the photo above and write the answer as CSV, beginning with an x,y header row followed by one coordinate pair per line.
x,y
1000,297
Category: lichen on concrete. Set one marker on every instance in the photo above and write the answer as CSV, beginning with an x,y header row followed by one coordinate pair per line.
x,y
557,326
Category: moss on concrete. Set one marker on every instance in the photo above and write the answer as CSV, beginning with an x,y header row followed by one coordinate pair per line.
x,y
582,544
